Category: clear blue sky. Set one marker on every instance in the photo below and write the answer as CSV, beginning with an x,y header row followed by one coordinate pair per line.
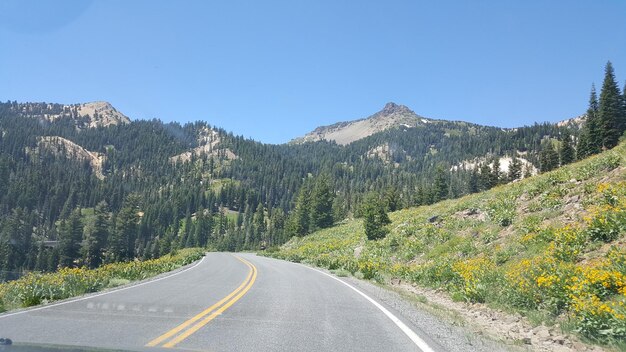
x,y
273,70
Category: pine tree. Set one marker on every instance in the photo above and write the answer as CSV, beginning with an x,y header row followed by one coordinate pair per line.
x,y
259,222
392,199
340,209
122,240
610,109
248,226
96,236
204,226
321,210
590,137
276,229
375,217
485,179
299,219
515,169
441,184
15,239
70,238
548,158
473,185
495,175
566,152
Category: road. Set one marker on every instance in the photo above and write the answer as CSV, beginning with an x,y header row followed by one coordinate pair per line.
x,y
226,302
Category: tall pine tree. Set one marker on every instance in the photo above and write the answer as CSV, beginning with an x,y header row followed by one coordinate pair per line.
x,y
441,184
515,169
567,152
96,236
610,109
591,136
321,205
548,158
375,217
70,239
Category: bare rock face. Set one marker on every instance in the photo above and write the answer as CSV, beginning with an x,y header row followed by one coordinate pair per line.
x,y
62,147
101,114
391,116
578,122
208,144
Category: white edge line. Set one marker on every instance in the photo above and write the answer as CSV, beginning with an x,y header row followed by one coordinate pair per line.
x,y
72,300
421,344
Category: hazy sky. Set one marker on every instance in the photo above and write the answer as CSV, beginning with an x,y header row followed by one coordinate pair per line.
x,y
273,70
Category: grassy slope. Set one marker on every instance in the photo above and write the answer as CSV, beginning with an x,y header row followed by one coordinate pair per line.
x,y
550,246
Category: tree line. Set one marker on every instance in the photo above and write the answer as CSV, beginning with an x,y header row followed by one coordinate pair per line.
x,y
54,211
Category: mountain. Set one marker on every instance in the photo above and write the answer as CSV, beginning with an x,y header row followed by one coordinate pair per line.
x,y
101,114
197,184
391,116
84,115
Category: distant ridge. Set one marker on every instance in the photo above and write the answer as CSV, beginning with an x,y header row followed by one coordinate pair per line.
x,y
391,116
85,115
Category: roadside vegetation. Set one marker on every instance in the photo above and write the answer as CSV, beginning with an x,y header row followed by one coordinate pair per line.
x,y
37,288
550,247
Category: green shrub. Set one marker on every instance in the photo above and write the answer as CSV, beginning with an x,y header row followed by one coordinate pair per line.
x,y
502,211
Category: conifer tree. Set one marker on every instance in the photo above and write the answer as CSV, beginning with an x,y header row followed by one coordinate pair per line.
x,y
590,136
610,109
473,185
515,169
259,221
96,236
495,174
248,226
321,210
375,217
70,239
567,152
441,184
486,181
299,219
548,158
122,240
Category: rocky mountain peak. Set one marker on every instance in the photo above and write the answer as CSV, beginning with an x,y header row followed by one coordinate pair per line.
x,y
102,113
391,116
393,108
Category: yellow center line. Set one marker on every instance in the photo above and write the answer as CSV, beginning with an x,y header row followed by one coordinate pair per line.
x,y
225,303
206,320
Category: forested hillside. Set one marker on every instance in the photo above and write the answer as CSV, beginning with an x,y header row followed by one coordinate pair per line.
x,y
82,185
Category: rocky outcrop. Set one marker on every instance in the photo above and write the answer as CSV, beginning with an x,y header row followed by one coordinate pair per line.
x,y
62,147
391,116
208,140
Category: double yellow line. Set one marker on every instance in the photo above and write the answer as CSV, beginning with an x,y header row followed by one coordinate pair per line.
x,y
184,330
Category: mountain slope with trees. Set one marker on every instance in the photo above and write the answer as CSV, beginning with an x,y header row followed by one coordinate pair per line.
x,y
162,186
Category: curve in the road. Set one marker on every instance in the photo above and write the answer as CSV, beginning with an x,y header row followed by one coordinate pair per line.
x,y
421,344
187,328
279,306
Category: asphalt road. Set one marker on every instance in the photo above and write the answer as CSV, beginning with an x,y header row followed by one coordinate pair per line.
x,y
226,302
